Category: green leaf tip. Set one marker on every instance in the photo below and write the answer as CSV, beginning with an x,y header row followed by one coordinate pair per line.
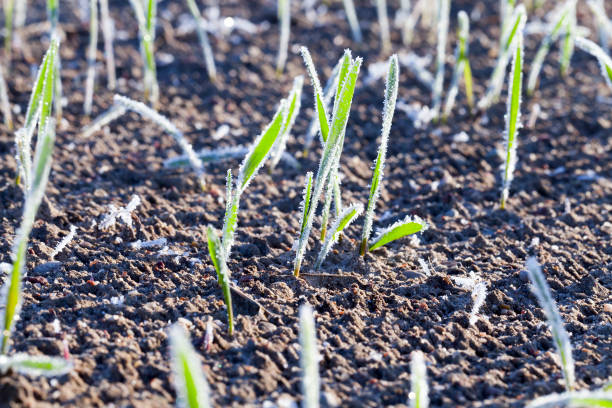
x,y
407,226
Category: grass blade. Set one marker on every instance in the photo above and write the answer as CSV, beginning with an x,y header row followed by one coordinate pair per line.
x,y
348,215
400,229
462,67
513,117
379,166
309,358
191,386
306,198
419,391
443,17
9,6
541,290
383,22
579,399
284,13
109,38
351,16
35,366
214,246
91,56
569,41
4,101
605,62
293,109
318,94
209,59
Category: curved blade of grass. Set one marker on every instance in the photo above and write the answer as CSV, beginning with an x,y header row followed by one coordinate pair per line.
x,y
214,246
419,391
579,399
603,22
35,365
541,290
348,215
91,56
551,36
339,121
318,94
391,87
400,229
513,117
191,386
309,358
209,59
293,109
605,62
569,41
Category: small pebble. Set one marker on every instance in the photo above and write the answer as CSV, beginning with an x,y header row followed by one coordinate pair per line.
x,y
524,275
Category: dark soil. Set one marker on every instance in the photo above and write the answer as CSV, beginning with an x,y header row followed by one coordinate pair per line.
x,y
380,308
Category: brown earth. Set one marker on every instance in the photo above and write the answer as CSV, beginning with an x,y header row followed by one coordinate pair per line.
x,y
381,308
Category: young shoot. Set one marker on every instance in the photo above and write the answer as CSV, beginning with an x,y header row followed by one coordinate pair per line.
x,y
209,59
295,102
462,67
379,165
40,169
189,380
605,62
146,112
108,31
219,260
509,45
541,290
284,16
513,117
419,391
309,358
35,366
442,21
407,226
306,201
569,40
91,56
4,102
383,22
333,136
553,32
348,215
146,12
351,16
578,399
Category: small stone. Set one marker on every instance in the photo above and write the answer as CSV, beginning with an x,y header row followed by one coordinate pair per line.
x,y
524,275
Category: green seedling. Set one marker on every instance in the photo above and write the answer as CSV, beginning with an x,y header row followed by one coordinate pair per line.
x,y
506,8
578,399
513,118
383,22
253,161
509,44
35,366
334,138
189,381
348,215
379,165
109,53
284,16
91,56
4,101
569,40
53,16
400,229
295,102
604,24
553,32
9,11
462,67
209,59
419,391
351,16
306,199
39,171
541,290
309,358
146,12
442,22
144,111
605,62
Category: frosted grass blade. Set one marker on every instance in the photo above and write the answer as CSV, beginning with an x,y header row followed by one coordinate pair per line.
x,y
603,22
4,101
351,16
214,246
400,229
462,67
309,358
35,366
318,94
419,390
191,386
383,22
284,13
541,290
569,40
293,109
348,215
391,87
209,59
108,30
146,18
605,62
513,117
91,56
306,198
578,399
106,117
443,17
